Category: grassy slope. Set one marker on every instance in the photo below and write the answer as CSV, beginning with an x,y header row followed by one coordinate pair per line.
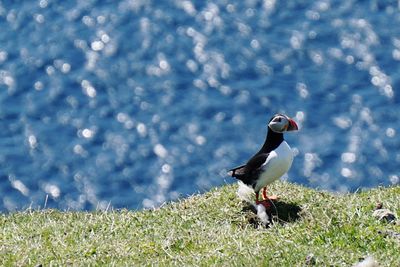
x,y
209,229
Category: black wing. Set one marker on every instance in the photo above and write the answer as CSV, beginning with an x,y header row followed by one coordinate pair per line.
x,y
249,172
237,171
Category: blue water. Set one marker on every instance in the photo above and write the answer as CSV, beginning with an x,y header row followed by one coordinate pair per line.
x,y
128,104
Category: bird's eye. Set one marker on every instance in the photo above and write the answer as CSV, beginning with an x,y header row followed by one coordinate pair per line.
x,y
278,119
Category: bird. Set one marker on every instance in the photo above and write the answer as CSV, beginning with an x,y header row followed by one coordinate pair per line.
x,y
272,161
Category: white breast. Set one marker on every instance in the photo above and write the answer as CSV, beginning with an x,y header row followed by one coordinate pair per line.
x,y
276,165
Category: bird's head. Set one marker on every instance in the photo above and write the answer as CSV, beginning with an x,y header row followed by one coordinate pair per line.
x,y
281,123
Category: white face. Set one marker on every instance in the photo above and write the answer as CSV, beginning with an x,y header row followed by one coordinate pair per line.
x,y
279,123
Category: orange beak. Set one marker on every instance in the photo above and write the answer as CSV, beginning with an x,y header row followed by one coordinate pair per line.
x,y
292,125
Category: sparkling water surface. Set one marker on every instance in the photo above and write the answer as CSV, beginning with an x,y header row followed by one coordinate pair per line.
x,y
128,104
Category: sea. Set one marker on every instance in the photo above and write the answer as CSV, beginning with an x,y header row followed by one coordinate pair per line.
x,y
134,103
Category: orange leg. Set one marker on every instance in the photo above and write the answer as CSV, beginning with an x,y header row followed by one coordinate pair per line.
x,y
267,200
265,196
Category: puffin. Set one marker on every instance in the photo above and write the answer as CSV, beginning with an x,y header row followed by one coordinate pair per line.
x,y
272,161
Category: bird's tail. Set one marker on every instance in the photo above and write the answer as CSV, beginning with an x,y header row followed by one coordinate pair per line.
x,y
245,192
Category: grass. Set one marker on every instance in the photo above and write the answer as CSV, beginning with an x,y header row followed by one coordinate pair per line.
x,y
215,228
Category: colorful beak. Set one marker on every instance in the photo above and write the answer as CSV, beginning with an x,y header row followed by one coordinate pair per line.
x,y
292,126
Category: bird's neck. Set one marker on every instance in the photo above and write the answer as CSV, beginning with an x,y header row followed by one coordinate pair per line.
x,y
272,141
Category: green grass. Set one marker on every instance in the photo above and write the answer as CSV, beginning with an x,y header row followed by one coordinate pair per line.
x,y
215,228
